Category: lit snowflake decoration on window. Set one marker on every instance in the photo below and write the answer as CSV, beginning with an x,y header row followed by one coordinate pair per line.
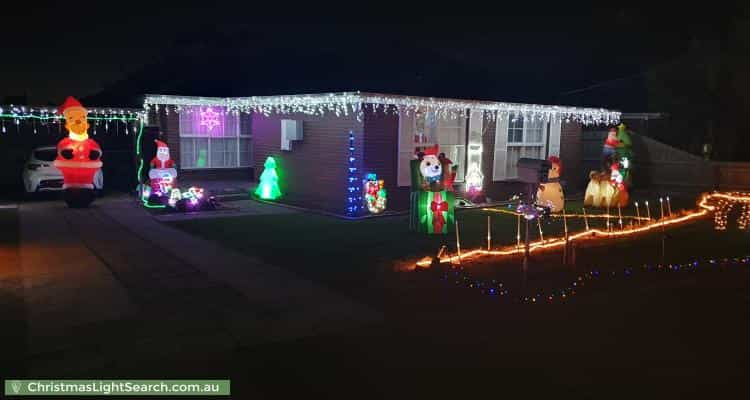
x,y
210,119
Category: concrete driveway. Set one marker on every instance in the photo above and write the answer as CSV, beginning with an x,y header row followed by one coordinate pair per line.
x,y
110,287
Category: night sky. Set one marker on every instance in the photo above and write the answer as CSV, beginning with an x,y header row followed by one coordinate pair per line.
x,y
530,54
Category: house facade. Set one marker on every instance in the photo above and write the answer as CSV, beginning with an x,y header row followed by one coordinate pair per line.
x,y
326,144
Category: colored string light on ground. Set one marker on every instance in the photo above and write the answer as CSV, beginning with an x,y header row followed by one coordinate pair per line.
x,y
493,287
703,209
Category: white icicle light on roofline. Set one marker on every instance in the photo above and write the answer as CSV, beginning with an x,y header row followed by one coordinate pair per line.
x,y
23,112
354,103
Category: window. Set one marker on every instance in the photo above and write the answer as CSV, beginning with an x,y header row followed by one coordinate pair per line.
x,y
451,137
211,138
526,138
517,138
425,129
515,131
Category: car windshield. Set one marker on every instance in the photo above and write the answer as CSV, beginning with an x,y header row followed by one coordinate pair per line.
x,y
45,154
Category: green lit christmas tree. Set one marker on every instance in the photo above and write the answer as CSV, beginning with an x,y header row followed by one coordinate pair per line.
x,y
268,187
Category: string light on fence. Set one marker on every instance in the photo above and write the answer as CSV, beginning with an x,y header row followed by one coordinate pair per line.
x,y
705,206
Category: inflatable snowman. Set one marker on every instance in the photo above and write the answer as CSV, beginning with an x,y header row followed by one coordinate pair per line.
x,y
551,194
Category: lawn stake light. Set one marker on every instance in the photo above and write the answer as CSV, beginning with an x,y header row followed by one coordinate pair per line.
x,y
585,218
669,207
638,213
458,244
565,226
489,234
648,211
539,225
518,230
607,217
661,206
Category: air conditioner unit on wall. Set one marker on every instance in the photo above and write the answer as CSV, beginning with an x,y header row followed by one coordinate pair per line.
x,y
290,130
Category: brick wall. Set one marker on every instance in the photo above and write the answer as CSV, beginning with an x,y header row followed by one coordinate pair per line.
x,y
574,174
381,154
314,173
171,131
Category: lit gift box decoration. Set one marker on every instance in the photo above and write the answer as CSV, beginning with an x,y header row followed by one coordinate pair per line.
x,y
375,194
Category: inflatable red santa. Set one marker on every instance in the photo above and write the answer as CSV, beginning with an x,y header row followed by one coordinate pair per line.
x,y
78,156
162,174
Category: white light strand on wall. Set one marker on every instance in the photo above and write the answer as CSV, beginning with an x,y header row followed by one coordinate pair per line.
x,y
354,103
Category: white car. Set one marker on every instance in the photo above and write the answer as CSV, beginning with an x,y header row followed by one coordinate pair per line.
x,y
40,174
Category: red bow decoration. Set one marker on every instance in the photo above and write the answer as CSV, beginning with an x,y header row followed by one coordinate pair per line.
x,y
438,207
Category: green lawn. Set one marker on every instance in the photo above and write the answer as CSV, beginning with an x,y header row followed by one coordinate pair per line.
x,y
654,335
351,255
